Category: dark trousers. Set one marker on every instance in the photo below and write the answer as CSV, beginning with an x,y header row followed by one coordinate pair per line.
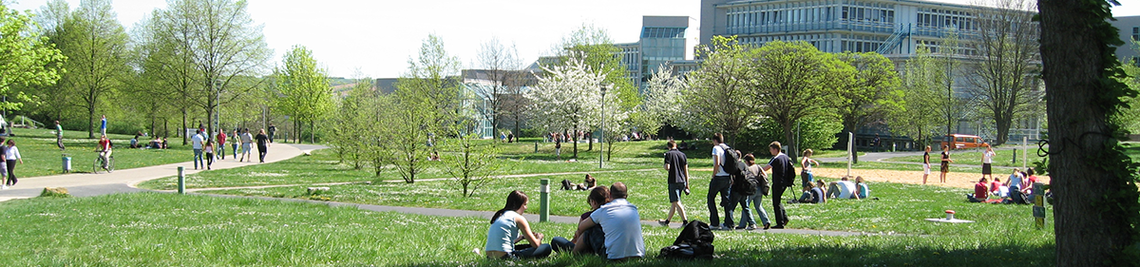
x,y
261,152
11,174
526,251
721,185
209,159
781,216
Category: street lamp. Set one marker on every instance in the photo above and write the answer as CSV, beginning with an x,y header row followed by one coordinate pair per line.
x,y
602,132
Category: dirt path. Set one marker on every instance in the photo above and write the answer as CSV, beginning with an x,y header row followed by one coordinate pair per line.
x,y
953,179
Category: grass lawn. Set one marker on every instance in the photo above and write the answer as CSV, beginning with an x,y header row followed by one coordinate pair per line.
x,y
167,229
42,156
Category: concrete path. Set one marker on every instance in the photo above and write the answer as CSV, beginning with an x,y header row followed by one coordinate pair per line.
x,y
125,181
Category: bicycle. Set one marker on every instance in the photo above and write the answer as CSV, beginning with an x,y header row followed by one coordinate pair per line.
x,y
99,163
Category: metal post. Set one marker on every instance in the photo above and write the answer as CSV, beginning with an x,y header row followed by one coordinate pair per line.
x,y
544,204
602,133
1025,154
181,180
850,151
1039,204
535,147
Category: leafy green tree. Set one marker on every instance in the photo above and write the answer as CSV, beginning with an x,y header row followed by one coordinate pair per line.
x,y
921,86
26,58
872,94
428,102
349,127
304,88
96,45
794,80
1129,118
719,97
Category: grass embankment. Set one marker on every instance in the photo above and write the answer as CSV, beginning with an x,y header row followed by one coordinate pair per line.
x,y
168,229
42,156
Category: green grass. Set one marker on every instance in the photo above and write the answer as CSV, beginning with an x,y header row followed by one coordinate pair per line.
x,y
42,157
168,229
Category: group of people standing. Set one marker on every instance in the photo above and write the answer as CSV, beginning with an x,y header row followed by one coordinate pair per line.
x,y
203,144
9,155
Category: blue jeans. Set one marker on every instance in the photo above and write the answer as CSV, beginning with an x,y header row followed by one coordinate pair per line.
x,y
719,184
806,178
747,219
198,158
526,251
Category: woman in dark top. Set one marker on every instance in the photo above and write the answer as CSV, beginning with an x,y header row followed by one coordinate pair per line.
x,y
945,162
262,144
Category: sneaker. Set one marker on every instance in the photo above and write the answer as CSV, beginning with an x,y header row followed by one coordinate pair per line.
x,y
714,227
778,227
767,226
750,227
4,187
685,222
663,222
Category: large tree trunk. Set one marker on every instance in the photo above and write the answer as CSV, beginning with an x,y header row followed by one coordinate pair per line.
x,y
1089,232
183,129
790,141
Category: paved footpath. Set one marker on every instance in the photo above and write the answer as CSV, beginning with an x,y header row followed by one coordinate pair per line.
x,y
125,181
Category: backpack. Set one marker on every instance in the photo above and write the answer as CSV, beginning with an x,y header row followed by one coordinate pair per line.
x,y
746,183
694,242
788,177
730,165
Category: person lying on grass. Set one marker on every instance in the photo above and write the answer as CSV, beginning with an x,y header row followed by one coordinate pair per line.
x,y
506,225
842,189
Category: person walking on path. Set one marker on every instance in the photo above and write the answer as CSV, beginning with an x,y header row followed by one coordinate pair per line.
x,y
103,126
209,149
262,145
234,144
925,164
987,161
246,140
198,143
756,198
782,175
221,144
945,163
11,156
720,184
59,135
272,132
677,164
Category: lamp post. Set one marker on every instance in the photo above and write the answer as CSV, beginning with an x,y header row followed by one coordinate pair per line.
x,y
602,132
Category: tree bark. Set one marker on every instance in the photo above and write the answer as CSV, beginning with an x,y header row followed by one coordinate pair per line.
x,y
1088,234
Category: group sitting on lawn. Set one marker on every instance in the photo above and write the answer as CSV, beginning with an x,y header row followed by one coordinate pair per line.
x,y
1017,189
611,230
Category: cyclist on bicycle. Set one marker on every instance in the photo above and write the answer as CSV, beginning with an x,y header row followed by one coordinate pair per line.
x,y
104,149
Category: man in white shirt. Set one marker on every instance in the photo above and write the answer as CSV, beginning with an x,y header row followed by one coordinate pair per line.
x,y
621,225
842,189
197,141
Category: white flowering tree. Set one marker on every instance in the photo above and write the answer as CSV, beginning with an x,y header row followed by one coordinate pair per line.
x,y
568,97
662,103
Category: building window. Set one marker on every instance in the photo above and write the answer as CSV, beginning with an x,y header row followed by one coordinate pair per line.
x,y
1135,33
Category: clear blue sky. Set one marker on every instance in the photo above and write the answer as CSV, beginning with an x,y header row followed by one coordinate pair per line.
x,y
378,37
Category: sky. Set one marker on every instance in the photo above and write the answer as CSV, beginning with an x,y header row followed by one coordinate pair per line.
x,y
366,38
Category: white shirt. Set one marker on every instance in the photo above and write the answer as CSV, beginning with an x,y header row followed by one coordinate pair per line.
x,y
846,188
197,141
13,153
988,157
622,227
718,154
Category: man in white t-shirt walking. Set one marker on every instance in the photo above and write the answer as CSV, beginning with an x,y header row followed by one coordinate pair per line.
x,y
197,141
720,184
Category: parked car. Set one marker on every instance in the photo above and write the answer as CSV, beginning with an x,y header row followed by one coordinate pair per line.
x,y
962,141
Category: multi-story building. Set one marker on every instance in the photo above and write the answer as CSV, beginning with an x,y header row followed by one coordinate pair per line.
x,y
663,39
1129,33
893,28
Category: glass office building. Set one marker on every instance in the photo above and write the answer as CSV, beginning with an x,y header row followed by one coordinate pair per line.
x,y
663,40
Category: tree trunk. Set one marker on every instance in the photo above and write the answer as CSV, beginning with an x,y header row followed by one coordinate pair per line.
x,y
789,140
1089,232
183,130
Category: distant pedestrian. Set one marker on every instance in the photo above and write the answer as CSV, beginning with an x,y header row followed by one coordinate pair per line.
x,y
235,142
677,166
246,145
103,126
11,156
198,142
558,146
209,149
945,162
807,177
221,144
59,135
262,145
925,164
987,161
719,184
272,132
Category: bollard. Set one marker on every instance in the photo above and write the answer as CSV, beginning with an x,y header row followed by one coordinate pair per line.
x,y
1039,204
535,147
181,180
544,204
66,163
1014,156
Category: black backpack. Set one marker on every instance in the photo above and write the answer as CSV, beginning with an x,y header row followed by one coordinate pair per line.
x,y
746,183
694,242
730,162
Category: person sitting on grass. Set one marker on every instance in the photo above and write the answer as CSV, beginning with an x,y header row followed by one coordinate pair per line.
x,y
818,195
861,190
621,225
587,184
980,192
506,226
591,241
843,189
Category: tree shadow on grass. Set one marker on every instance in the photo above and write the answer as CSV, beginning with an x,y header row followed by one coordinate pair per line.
x,y
825,255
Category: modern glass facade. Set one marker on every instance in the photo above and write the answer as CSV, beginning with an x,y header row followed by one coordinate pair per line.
x,y
662,41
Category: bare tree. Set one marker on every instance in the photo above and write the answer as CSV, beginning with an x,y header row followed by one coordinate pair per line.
x,y
500,64
1005,41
